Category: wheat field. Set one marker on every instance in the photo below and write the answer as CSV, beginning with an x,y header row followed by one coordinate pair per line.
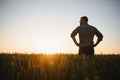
x,y
59,67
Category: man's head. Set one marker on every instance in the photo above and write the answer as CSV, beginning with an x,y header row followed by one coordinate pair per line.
x,y
83,20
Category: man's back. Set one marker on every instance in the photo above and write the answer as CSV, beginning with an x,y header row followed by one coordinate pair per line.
x,y
86,35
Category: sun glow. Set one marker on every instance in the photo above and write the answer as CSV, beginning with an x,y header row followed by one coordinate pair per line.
x,y
48,46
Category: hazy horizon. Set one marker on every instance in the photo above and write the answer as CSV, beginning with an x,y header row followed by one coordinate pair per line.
x,y
44,26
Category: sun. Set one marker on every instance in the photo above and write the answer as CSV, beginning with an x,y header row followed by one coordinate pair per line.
x,y
47,46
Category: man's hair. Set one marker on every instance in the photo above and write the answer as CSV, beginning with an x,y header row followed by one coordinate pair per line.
x,y
85,18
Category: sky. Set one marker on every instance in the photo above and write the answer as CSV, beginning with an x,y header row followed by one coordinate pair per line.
x,y
44,26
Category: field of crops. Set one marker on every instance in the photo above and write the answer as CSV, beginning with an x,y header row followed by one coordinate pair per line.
x,y
59,67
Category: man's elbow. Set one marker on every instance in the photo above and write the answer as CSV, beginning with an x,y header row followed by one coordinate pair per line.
x,y
72,36
100,38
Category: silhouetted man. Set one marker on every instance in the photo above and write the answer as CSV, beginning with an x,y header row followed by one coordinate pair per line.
x,y
86,34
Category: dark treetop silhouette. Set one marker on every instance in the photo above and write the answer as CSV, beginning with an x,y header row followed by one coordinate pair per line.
x,y
86,34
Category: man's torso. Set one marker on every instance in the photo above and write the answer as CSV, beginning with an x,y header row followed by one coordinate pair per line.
x,y
86,35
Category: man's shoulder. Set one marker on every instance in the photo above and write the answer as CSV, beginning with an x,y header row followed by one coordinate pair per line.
x,y
92,27
78,27
88,26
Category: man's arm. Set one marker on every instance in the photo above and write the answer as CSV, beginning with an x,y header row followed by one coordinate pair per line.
x,y
75,41
100,37
73,34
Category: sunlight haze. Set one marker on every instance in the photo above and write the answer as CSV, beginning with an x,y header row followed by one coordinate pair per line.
x,y
44,26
